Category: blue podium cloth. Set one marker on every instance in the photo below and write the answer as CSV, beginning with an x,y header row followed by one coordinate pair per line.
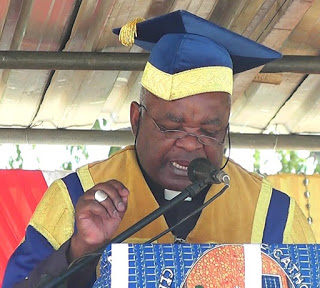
x,y
147,262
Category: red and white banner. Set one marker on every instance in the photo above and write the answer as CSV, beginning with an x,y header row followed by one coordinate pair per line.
x,y
21,190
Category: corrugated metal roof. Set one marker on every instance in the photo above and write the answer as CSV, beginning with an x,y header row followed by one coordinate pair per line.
x,y
282,103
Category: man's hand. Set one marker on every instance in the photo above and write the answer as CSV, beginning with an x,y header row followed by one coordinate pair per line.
x,y
97,222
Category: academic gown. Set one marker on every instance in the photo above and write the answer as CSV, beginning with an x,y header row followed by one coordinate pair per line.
x,y
250,211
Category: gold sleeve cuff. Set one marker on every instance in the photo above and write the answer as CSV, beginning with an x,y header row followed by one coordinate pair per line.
x,y
54,215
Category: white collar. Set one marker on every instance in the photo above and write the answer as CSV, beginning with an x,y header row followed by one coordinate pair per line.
x,y
170,194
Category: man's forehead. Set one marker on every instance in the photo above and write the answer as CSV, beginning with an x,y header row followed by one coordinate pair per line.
x,y
189,110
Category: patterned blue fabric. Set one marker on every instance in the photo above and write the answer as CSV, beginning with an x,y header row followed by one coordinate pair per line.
x,y
301,264
271,281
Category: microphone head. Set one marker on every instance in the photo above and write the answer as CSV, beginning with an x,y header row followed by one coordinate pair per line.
x,y
200,169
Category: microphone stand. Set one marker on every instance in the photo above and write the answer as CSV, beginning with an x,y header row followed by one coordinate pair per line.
x,y
189,191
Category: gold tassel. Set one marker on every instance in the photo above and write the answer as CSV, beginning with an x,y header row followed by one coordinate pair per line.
x,y
129,31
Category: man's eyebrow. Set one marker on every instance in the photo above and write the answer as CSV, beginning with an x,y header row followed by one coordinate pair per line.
x,y
180,119
175,118
215,121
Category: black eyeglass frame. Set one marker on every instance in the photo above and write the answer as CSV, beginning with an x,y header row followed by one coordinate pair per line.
x,y
185,134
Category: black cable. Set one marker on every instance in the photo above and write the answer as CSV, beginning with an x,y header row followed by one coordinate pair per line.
x,y
229,143
204,205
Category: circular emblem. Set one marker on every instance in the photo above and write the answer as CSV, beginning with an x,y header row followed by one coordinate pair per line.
x,y
233,266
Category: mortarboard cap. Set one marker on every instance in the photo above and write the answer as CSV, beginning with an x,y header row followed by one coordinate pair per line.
x,y
190,55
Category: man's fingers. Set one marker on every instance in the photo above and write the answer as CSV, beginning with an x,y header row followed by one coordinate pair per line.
x,y
99,212
91,208
100,196
120,189
112,195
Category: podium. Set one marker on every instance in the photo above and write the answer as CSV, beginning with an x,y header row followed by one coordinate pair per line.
x,y
209,265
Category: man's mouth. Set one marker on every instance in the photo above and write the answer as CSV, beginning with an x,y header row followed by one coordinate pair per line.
x,y
180,167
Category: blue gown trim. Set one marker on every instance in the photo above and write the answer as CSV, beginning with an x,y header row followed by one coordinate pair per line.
x,y
276,218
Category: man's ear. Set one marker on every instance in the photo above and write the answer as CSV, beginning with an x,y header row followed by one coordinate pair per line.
x,y
134,117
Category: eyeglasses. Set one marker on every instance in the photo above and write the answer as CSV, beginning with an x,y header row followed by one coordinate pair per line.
x,y
179,134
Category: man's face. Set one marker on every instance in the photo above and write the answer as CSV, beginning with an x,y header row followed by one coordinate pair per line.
x,y
166,160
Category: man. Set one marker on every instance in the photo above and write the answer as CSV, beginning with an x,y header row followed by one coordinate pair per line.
x,y
183,114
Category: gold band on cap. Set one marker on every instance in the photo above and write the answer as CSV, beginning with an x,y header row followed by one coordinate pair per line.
x,y
187,83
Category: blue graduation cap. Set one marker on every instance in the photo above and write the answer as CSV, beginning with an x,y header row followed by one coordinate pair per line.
x,y
190,55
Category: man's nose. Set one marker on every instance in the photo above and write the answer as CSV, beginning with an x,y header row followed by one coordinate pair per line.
x,y
189,142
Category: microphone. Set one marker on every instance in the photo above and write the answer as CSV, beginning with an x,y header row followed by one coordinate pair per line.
x,y
202,169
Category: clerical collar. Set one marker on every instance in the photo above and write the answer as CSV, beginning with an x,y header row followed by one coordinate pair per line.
x,y
170,194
